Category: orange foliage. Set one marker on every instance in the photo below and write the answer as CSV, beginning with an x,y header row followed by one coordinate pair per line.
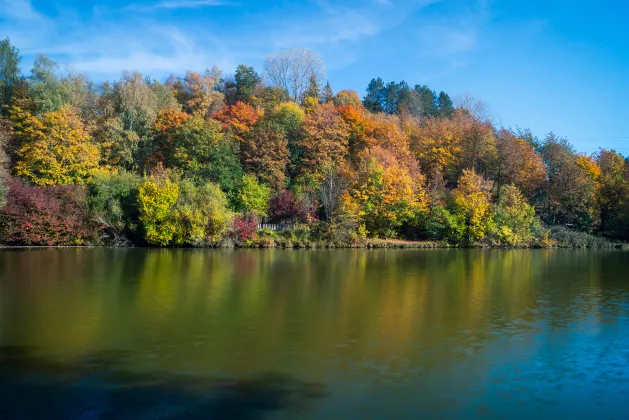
x,y
240,118
519,164
324,140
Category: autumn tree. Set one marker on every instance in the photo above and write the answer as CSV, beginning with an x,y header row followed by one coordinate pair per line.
x,y
437,146
473,205
324,140
386,194
569,193
518,164
290,117
264,152
334,184
54,148
201,213
613,195
347,97
198,94
513,218
239,118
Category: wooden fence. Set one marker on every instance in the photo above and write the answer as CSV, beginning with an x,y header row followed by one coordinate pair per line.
x,y
275,227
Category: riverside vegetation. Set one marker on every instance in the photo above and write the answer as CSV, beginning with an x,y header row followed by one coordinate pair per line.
x,y
203,159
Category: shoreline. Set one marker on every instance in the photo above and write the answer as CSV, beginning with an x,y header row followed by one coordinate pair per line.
x,y
369,245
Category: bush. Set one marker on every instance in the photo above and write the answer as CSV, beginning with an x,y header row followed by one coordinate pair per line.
x,y
156,200
244,229
513,219
46,216
567,238
113,204
285,206
201,214
441,224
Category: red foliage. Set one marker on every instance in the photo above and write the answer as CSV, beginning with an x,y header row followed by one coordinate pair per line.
x,y
285,206
45,216
245,228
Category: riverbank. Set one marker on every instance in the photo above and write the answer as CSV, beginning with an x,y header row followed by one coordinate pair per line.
x,y
368,244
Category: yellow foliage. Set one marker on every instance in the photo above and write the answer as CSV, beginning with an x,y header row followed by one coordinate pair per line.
x,y
474,204
56,149
156,199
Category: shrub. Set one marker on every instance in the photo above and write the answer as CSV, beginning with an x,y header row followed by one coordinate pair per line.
x,y
156,200
567,238
439,223
513,218
201,214
244,229
285,206
113,204
46,216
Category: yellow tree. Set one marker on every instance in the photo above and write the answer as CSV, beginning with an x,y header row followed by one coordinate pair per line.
x,y
437,145
473,204
386,194
324,140
157,197
55,148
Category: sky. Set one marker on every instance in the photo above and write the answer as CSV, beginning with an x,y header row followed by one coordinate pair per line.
x,y
552,65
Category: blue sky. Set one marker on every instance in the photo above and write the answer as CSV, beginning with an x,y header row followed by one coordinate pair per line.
x,y
560,65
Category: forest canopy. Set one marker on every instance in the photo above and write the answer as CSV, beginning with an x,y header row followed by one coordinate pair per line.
x,y
203,159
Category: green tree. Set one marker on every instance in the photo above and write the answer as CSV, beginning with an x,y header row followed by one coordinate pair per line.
x,y
427,101
327,95
253,196
313,90
613,195
202,214
46,89
246,82
375,97
569,194
446,106
9,73
513,218
112,201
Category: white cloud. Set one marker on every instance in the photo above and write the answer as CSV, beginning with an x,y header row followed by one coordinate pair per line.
x,y
21,10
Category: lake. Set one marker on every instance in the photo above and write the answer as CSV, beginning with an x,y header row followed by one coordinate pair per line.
x,y
326,334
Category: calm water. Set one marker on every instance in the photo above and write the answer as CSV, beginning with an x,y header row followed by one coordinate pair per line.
x,y
168,334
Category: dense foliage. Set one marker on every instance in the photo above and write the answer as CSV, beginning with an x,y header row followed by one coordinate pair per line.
x,y
202,159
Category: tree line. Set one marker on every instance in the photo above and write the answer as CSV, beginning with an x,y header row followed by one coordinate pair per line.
x,y
200,159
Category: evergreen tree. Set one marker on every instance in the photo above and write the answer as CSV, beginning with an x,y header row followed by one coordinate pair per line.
x,y
427,100
313,88
328,94
446,106
375,96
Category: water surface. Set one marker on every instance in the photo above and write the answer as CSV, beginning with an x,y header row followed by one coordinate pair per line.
x,y
207,334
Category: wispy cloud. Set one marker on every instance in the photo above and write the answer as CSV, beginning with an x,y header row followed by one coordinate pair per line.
x,y
179,4
21,10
